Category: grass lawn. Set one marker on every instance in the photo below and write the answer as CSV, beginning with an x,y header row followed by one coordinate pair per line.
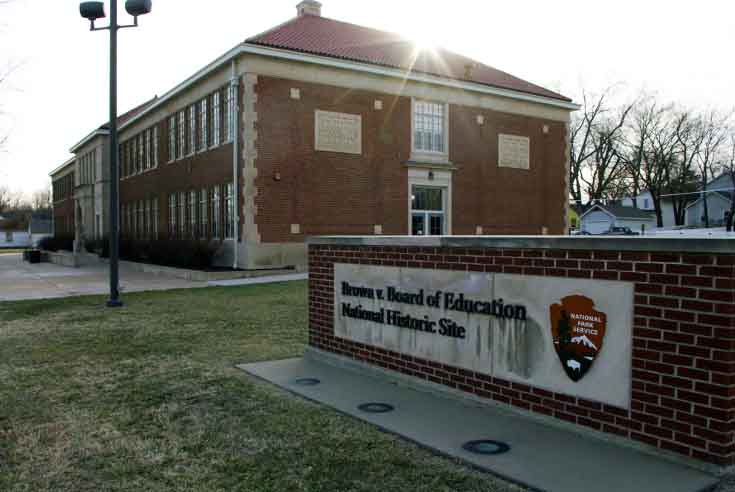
x,y
146,398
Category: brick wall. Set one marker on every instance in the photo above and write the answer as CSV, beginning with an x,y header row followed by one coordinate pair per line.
x,y
683,387
335,193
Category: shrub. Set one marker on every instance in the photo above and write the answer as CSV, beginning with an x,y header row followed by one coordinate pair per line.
x,y
180,254
57,243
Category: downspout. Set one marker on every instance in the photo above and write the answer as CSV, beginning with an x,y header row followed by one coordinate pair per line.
x,y
235,159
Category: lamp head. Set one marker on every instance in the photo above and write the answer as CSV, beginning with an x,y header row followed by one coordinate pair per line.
x,y
138,7
92,10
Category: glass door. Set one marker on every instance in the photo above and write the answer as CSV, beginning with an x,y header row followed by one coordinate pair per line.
x,y
428,206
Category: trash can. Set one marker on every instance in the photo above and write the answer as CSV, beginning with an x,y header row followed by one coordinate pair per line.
x,y
34,256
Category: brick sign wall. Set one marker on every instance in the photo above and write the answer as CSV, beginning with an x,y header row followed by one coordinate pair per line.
x,y
682,396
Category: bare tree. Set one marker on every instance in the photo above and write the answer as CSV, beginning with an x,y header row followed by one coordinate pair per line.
x,y
581,145
5,199
652,149
681,176
603,173
41,200
714,137
730,169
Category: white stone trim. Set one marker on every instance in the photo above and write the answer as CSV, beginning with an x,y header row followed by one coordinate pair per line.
x,y
400,75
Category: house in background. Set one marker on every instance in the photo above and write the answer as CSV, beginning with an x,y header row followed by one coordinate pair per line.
x,y
599,219
644,201
14,234
24,232
719,203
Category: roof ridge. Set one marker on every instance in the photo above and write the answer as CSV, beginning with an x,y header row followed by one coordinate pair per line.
x,y
317,35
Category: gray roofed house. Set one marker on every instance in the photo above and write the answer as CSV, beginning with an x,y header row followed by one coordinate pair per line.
x,y
599,219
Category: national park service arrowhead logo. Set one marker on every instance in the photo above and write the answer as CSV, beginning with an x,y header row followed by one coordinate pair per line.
x,y
578,332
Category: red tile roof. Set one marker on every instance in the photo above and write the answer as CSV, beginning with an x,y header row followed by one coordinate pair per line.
x,y
331,38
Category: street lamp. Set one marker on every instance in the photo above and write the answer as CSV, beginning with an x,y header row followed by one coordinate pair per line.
x,y
93,11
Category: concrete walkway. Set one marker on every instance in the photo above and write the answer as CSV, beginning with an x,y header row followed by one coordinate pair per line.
x,y
540,457
260,280
20,280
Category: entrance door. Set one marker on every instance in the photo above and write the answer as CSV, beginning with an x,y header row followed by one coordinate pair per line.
x,y
428,206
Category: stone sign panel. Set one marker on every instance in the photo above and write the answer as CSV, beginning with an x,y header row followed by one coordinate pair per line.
x,y
338,132
544,332
514,151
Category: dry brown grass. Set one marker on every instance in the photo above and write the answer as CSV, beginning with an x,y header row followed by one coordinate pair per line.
x,y
146,398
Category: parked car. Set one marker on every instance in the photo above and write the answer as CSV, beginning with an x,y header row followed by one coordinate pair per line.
x,y
620,231
577,232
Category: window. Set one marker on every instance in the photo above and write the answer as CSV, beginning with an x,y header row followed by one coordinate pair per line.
x,y
148,149
182,214
172,139
155,217
182,133
172,215
141,220
133,220
9,236
427,211
216,119
155,146
215,213
229,113
148,219
645,203
203,136
203,214
193,214
229,212
429,132
141,154
192,128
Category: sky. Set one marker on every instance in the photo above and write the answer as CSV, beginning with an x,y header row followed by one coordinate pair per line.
x,y
681,50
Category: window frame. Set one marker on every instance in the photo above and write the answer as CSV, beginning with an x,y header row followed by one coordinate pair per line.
x,y
192,143
204,214
427,214
181,137
432,155
204,124
216,120
172,135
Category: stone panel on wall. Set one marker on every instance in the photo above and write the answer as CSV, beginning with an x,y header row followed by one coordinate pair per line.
x,y
338,132
422,313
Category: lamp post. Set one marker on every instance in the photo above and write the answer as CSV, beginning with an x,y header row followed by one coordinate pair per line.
x,y
93,11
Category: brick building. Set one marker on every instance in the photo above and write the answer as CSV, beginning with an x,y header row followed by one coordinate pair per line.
x,y
322,127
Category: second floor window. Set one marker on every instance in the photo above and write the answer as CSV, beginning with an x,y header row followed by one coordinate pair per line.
x,y
141,153
203,130
216,119
229,113
192,128
148,149
182,133
429,129
155,146
172,138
